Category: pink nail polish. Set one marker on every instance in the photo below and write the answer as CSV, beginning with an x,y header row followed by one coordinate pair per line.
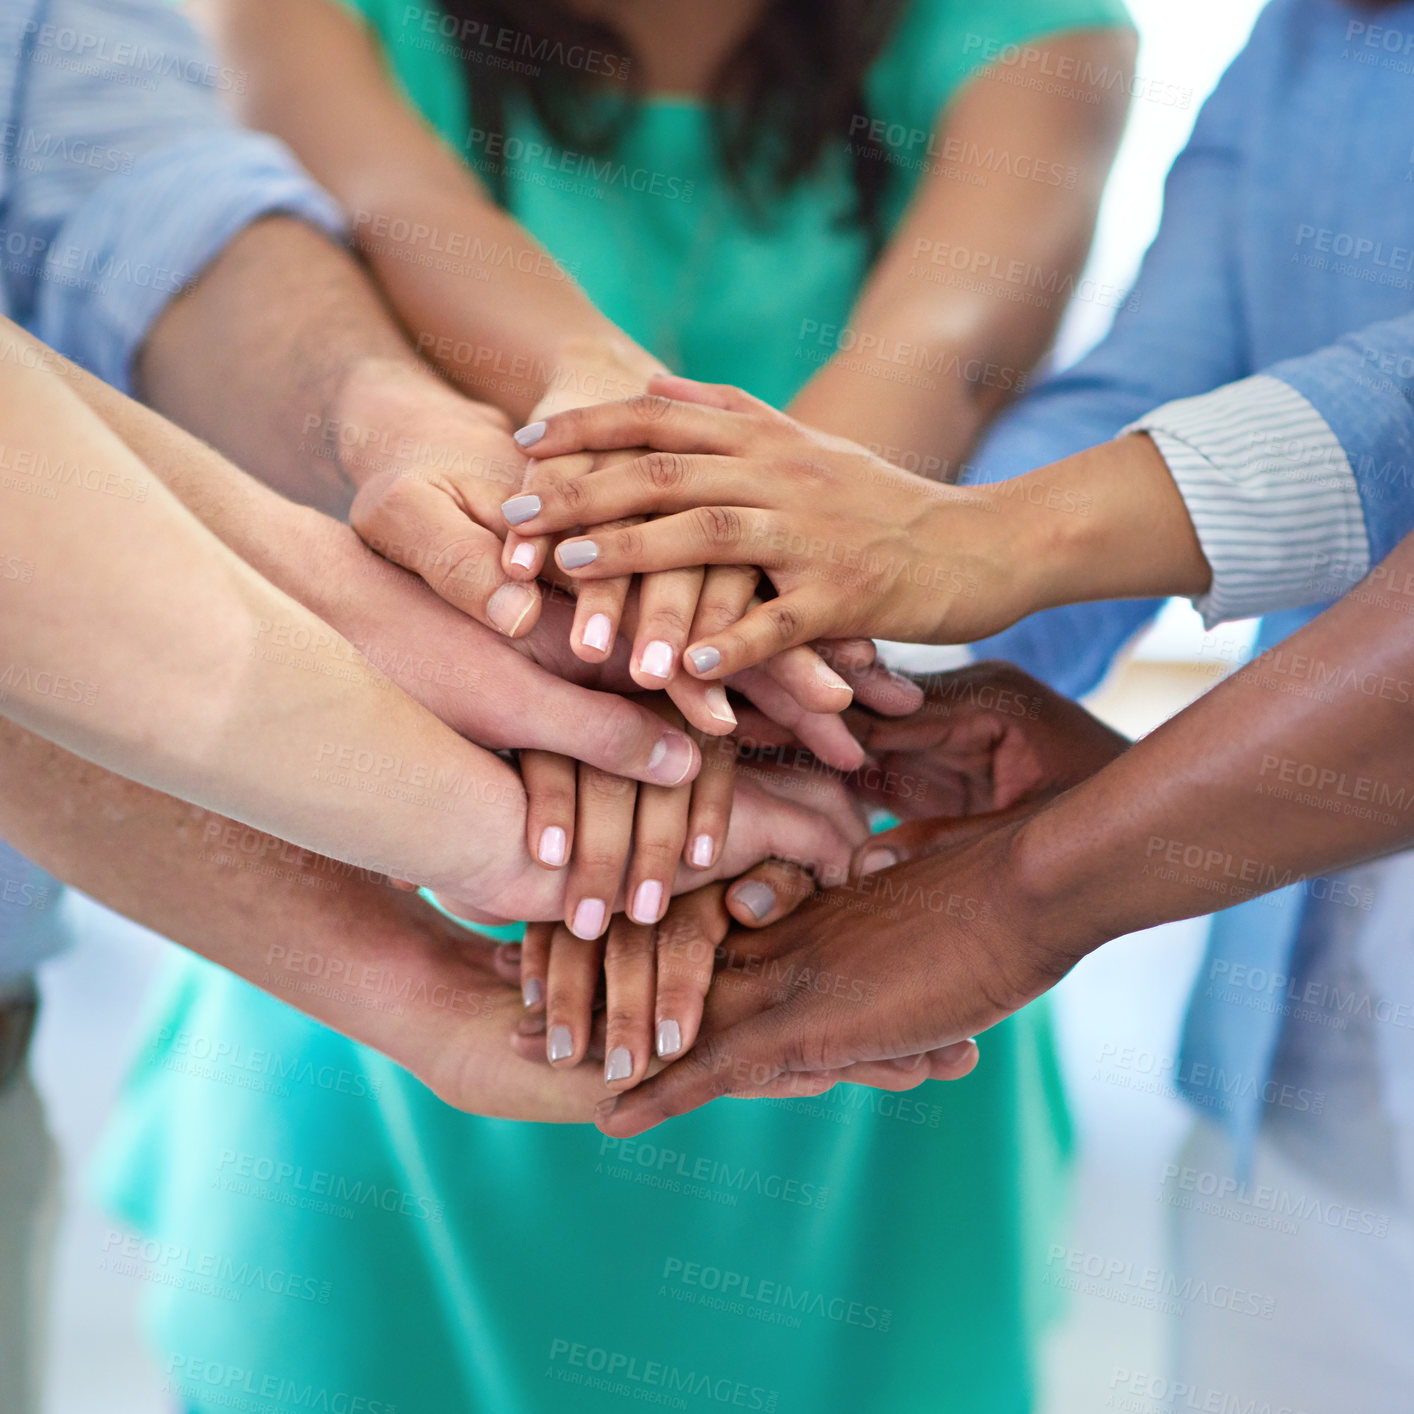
x,y
657,660
588,919
702,852
524,556
552,847
647,902
598,633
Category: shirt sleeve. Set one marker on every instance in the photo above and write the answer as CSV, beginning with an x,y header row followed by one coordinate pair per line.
x,y
1179,333
1271,494
129,177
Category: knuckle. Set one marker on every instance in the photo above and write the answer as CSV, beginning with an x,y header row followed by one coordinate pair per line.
x,y
649,407
665,471
785,620
719,525
463,564
617,733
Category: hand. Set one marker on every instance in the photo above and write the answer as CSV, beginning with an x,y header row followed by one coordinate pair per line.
x,y
917,959
683,950
671,607
853,545
500,694
432,469
987,737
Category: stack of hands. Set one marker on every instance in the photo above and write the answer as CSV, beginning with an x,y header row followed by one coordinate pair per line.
x,y
742,927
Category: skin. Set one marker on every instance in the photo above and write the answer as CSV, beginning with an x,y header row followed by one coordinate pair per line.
x,y
990,912
851,543
529,341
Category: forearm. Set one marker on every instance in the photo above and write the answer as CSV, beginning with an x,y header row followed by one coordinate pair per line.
x,y
481,298
1301,763
373,964
1106,524
297,322
161,638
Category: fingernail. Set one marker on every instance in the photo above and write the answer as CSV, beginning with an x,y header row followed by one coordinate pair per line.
x,y
647,902
757,898
508,607
533,992
671,760
718,705
575,554
826,676
588,919
702,852
669,1038
524,556
529,435
552,846
657,660
520,509
559,1046
619,1065
878,859
598,633
704,659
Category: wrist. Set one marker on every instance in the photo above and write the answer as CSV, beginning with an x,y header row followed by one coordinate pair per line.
x,y
598,368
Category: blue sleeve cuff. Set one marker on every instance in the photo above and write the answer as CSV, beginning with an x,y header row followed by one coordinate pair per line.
x,y
140,239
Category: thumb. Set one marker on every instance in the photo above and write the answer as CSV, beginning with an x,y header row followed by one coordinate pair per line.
x,y
920,838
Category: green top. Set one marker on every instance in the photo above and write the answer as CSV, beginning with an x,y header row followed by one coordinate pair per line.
x,y
341,1235
654,233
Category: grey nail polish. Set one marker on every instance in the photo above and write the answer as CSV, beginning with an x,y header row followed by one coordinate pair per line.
x,y
577,554
705,659
532,992
520,509
757,898
528,436
669,1038
619,1065
560,1045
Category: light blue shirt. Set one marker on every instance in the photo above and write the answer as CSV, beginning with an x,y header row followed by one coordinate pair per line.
x,y
122,178
1285,256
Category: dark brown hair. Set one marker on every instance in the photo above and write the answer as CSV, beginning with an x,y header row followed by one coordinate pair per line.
x,y
791,90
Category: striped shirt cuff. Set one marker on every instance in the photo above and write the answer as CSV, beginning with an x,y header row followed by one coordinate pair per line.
x,y
1271,493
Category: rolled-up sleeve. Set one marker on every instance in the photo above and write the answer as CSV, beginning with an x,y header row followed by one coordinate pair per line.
x,y
129,176
1271,494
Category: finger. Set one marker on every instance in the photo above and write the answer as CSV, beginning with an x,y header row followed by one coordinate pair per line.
x,y
524,556
629,977
608,731
768,893
426,532
714,395
667,603
825,735
687,941
798,616
604,809
505,962
919,838
706,535
572,977
659,832
856,660
535,963
744,1058
599,609
805,674
549,781
705,705
710,813
647,421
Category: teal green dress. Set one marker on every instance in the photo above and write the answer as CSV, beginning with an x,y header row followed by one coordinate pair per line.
x,y
341,1240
